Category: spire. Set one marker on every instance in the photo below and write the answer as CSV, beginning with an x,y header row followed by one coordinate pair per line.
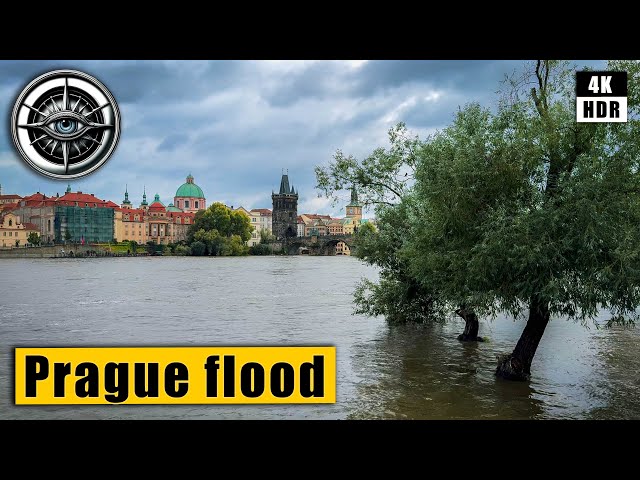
x,y
126,195
144,197
284,184
189,178
354,196
156,198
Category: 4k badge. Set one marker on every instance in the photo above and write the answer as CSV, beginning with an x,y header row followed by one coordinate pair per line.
x,y
65,124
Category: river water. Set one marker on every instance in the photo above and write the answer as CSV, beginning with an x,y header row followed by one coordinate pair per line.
x,y
408,372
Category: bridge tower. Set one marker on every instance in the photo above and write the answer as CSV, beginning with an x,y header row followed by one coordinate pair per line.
x,y
285,210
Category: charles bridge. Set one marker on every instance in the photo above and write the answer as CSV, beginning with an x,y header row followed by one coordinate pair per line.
x,y
314,245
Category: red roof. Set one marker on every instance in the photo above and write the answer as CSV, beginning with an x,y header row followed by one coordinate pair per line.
x,y
157,206
30,226
36,196
10,197
262,211
81,198
315,216
9,206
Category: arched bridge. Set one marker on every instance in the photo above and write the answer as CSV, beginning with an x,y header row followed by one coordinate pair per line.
x,y
316,245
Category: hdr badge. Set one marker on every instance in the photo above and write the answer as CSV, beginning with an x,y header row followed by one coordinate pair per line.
x,y
65,124
601,97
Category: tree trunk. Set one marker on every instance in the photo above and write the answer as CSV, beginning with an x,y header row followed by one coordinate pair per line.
x,y
517,366
471,327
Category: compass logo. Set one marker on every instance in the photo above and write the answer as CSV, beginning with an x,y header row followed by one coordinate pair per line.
x,y
65,124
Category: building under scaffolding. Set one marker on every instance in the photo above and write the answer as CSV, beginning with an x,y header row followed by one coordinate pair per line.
x,y
93,225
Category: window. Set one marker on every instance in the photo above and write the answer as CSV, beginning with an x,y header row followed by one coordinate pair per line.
x,y
186,204
11,234
4,234
10,222
197,204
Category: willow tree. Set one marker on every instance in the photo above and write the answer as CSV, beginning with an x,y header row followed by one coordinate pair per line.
x,y
384,182
542,217
463,174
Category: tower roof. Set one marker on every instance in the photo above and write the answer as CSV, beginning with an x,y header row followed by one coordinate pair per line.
x,y
189,189
354,198
285,189
126,196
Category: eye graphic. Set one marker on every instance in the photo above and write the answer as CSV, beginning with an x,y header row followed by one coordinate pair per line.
x,y
66,124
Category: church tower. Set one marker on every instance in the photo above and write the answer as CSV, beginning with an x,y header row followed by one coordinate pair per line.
x,y
285,210
144,205
126,203
354,209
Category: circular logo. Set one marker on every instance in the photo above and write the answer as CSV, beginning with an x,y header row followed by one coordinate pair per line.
x,y
65,124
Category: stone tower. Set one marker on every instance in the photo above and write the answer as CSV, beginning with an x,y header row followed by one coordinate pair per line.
x,y
285,210
354,209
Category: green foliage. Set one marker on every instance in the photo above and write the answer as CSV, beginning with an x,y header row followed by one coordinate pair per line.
x,y
198,248
182,250
221,230
528,203
67,235
166,250
223,220
34,238
398,296
506,207
266,236
260,249
382,178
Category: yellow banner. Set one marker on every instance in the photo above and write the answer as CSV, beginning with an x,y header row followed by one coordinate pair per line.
x,y
175,375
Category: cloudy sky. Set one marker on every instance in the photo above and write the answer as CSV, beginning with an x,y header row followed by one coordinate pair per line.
x,y
234,125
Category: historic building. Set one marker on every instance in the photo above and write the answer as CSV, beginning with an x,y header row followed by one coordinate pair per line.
x,y
130,222
285,210
260,219
189,197
75,217
354,209
13,233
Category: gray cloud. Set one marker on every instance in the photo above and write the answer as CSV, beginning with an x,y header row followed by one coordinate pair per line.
x,y
235,124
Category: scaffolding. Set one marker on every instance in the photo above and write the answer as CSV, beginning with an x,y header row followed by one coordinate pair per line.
x,y
93,225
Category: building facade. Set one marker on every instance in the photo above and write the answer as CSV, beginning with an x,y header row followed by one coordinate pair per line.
x,y
285,210
14,233
74,217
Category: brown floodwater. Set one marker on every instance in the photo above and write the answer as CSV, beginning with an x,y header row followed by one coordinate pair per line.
x,y
404,372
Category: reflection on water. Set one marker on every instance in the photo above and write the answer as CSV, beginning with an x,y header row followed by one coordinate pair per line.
x,y
401,372
423,372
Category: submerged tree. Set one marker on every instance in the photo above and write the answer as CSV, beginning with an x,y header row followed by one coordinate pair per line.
x,y
384,181
523,211
543,217
571,246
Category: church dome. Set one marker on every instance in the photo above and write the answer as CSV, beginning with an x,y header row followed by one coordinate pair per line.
x,y
173,208
189,189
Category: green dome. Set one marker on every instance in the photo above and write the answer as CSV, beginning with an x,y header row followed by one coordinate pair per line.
x,y
173,208
189,189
